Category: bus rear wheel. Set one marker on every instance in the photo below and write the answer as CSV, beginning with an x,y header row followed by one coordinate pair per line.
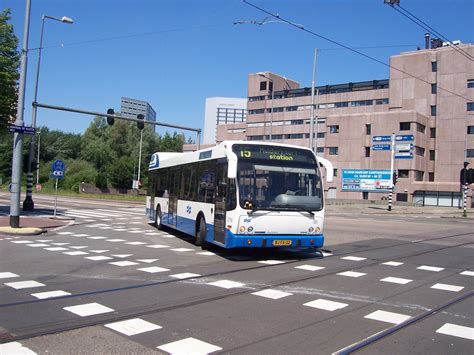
x,y
158,216
200,238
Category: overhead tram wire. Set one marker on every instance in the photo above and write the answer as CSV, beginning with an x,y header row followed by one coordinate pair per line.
x,y
277,16
427,27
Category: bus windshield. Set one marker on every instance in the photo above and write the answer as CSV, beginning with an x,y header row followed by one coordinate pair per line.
x,y
279,185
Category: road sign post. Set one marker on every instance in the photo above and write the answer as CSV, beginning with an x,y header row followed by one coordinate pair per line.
x,y
57,172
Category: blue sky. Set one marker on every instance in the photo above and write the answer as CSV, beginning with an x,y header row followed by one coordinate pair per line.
x,y
176,53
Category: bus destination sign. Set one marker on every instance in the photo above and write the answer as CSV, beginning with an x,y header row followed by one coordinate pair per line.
x,y
273,153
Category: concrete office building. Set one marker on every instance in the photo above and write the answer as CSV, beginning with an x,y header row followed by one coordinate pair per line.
x,y
221,111
437,110
132,107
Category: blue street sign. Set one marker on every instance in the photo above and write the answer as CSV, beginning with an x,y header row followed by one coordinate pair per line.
x,y
21,129
381,138
404,155
381,146
58,169
404,137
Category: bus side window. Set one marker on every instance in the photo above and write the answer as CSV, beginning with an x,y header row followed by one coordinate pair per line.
x,y
231,195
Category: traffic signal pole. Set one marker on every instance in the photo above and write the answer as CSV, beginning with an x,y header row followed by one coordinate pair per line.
x,y
390,193
15,187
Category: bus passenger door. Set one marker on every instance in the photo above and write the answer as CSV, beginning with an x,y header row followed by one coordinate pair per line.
x,y
220,203
174,184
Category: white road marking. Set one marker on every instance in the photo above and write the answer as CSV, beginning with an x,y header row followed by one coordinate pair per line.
x,y
74,253
122,255
24,284
430,268
189,346
389,317
15,348
123,263
64,233
309,267
154,269
271,262
96,237
147,261
182,249
98,258
78,247
99,251
459,331
50,294
353,258
351,274
392,263
273,294
135,243
56,249
226,284
60,244
7,275
185,275
39,245
88,309
22,241
116,240
326,305
206,253
467,273
44,240
396,280
157,246
446,287
133,326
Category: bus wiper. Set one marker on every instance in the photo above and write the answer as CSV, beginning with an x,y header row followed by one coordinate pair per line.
x,y
294,208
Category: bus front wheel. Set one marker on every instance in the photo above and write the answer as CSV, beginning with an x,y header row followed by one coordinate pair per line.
x,y
158,218
201,233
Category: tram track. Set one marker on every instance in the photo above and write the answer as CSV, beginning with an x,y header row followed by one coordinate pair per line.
x,y
61,326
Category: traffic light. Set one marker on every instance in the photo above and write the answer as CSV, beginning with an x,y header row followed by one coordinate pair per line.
x,y
394,178
141,124
34,165
110,120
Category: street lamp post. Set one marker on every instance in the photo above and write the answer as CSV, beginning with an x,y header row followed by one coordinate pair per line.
x,y
28,204
273,99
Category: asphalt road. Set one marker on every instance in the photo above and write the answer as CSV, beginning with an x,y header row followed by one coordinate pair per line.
x,y
117,285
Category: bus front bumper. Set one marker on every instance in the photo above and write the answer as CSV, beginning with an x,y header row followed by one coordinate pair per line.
x,y
273,241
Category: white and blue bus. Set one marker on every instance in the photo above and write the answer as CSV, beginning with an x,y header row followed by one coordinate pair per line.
x,y
241,194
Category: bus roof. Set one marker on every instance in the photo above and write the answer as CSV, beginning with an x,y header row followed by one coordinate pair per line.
x,y
221,150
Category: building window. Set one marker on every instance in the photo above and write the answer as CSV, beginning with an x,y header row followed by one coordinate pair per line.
x,y
320,150
295,136
419,175
321,134
341,104
333,129
433,88
432,155
420,128
296,122
368,129
365,195
420,151
256,112
335,172
292,108
263,85
405,126
403,173
433,132
470,153
367,152
470,106
381,101
362,103
434,66
402,197
470,129
433,110
430,176
470,83
333,150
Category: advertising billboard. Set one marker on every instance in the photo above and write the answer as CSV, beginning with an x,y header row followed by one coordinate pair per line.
x,y
366,180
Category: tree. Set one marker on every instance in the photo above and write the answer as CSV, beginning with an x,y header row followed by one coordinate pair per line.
x,y
9,75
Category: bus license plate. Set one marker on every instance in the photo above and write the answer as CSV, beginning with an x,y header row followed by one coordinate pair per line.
x,y
282,242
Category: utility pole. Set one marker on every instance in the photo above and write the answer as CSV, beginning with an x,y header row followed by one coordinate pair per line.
x,y
311,122
15,187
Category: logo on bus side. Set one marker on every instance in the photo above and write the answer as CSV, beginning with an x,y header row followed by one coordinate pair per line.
x,y
154,161
188,209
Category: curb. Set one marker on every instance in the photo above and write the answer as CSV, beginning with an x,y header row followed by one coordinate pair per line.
x,y
21,231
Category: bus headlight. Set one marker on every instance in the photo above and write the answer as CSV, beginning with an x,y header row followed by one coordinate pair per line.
x,y
310,230
242,229
317,230
250,229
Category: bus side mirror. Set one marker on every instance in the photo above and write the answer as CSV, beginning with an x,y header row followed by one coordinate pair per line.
x,y
328,167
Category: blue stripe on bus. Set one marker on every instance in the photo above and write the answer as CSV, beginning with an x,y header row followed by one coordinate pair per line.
x,y
257,241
